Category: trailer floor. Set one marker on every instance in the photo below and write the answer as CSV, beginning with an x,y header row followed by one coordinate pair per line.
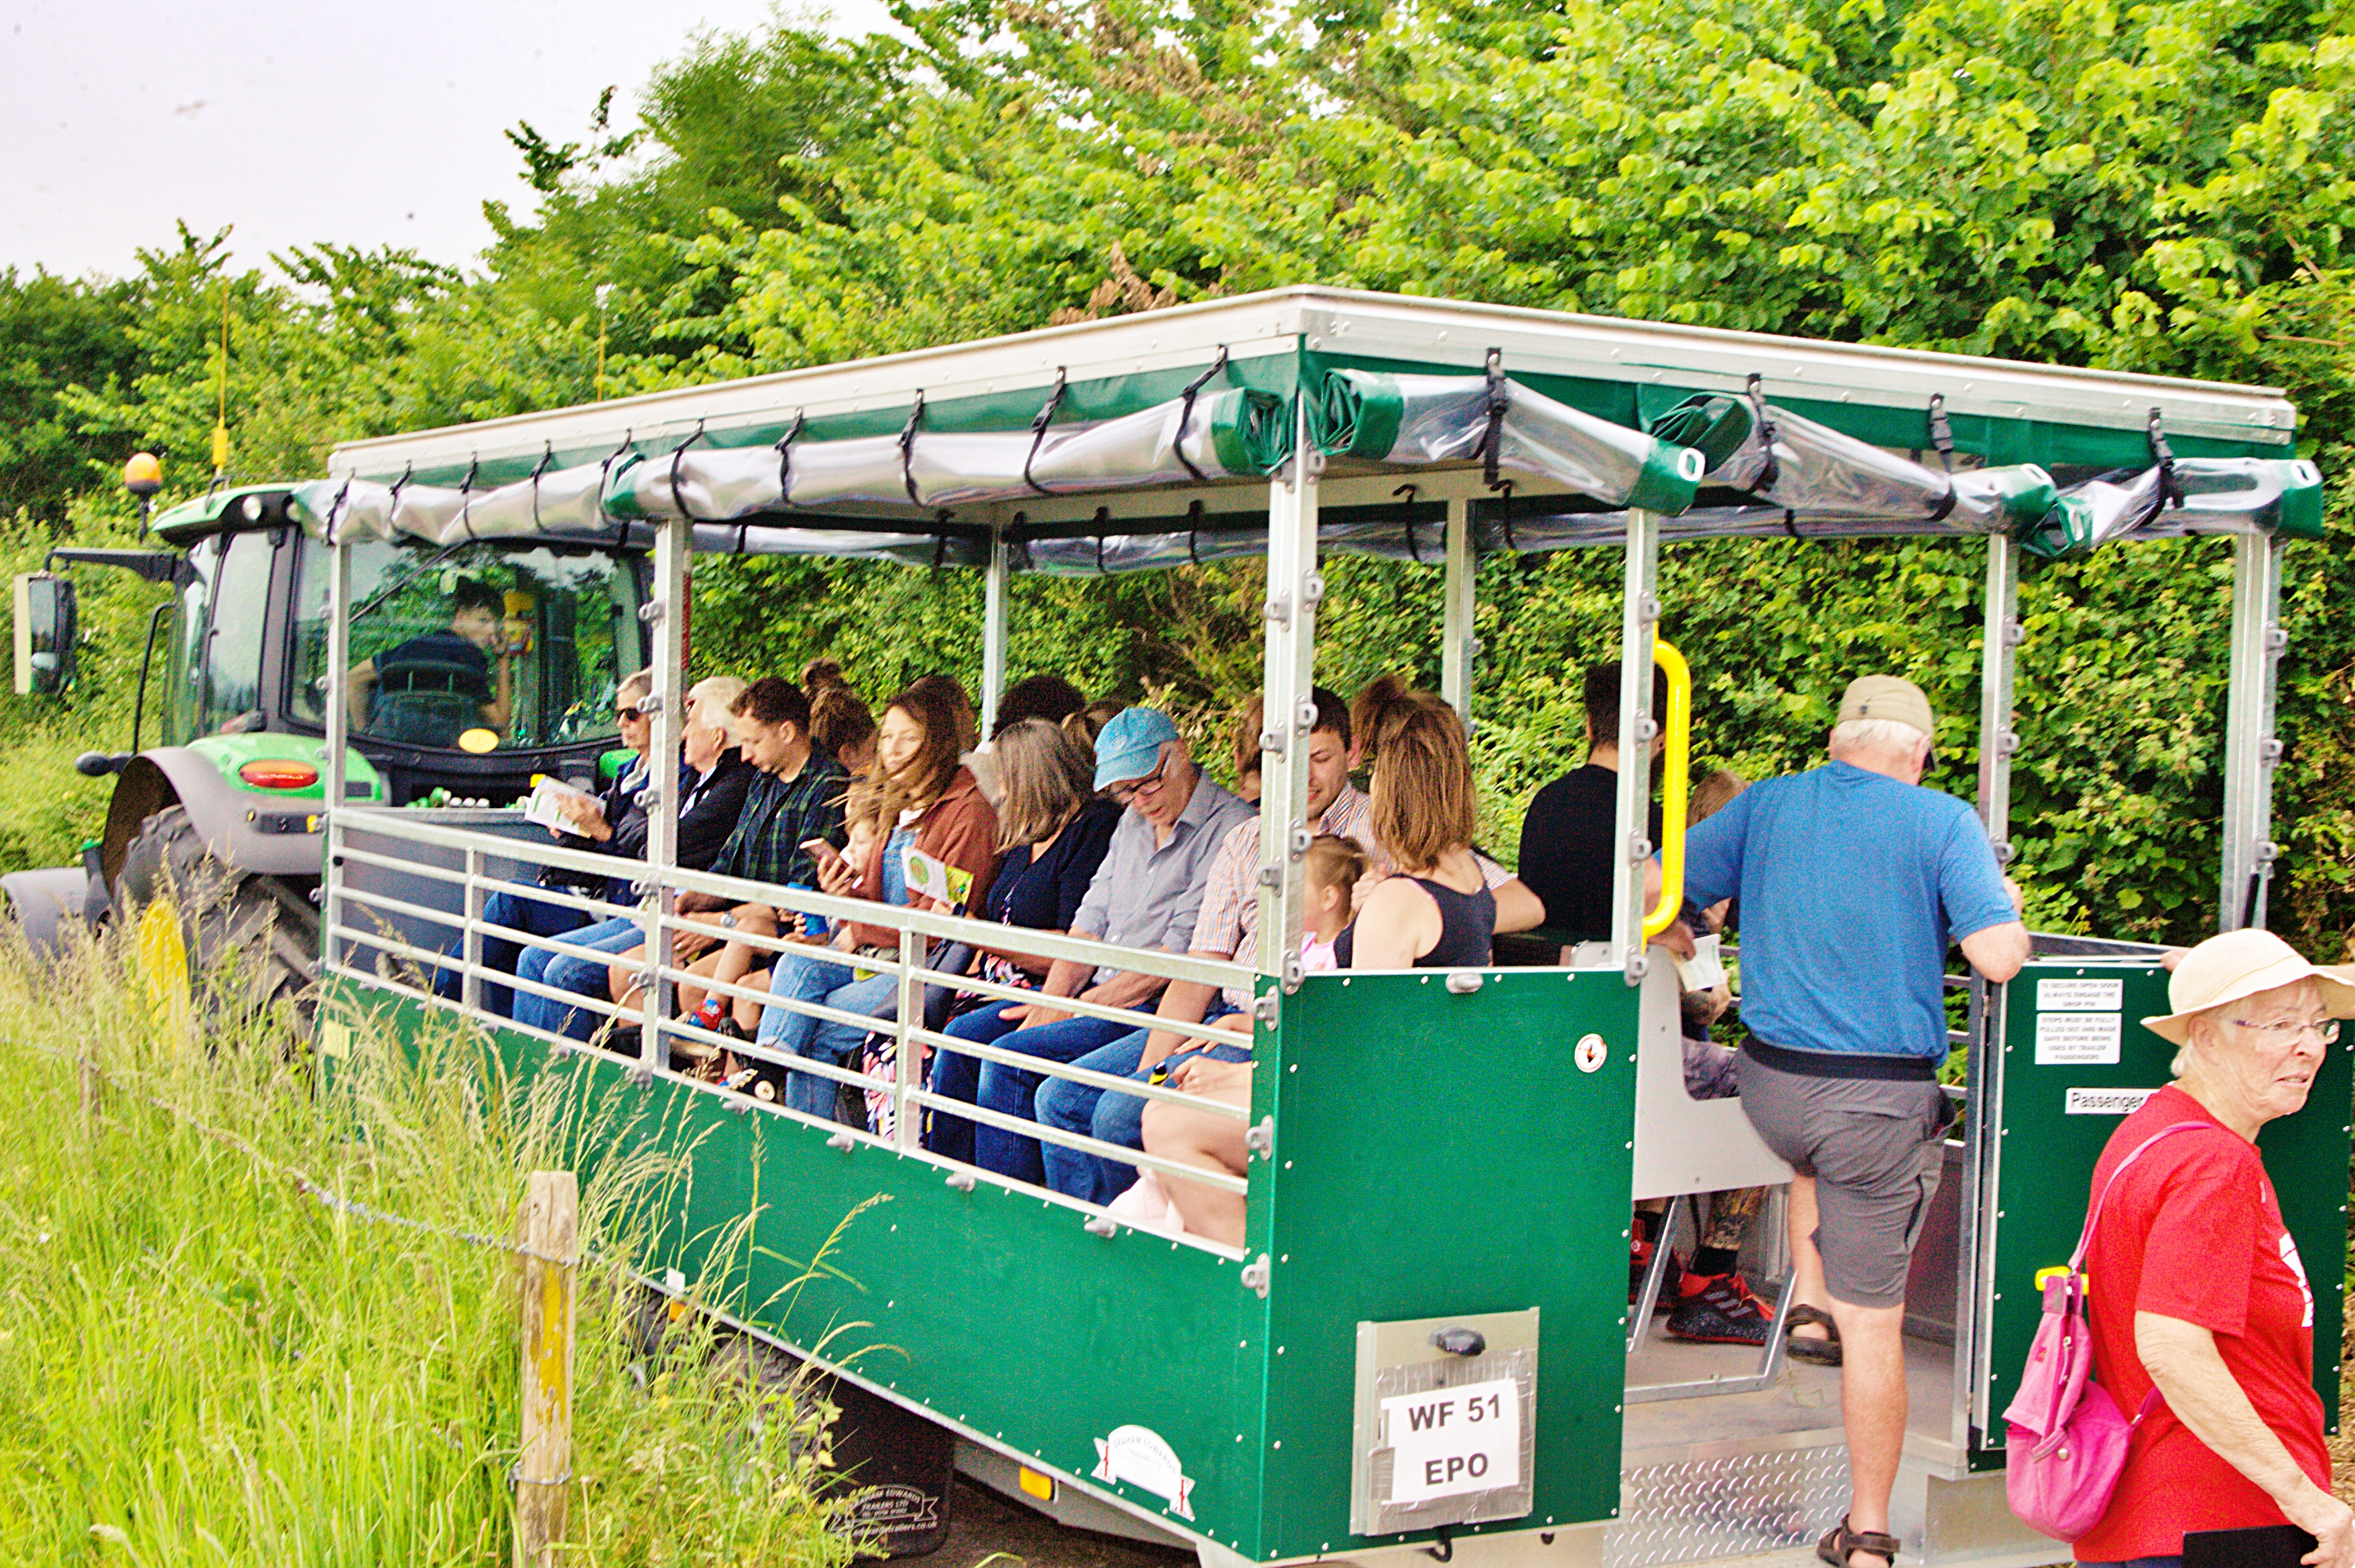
x,y
1756,1475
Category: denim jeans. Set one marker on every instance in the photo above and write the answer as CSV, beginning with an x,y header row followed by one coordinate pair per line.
x,y
1107,1115
789,1033
517,913
1010,1091
572,972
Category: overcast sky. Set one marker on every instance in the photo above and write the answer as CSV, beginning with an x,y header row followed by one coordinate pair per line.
x,y
362,124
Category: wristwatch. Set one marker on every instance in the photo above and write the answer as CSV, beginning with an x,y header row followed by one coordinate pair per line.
x,y
728,920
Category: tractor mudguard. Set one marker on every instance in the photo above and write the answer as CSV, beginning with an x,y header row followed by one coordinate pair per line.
x,y
44,901
244,830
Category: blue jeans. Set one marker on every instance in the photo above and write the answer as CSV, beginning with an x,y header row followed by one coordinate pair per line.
x,y
1107,1116
572,972
500,953
1010,1091
790,1033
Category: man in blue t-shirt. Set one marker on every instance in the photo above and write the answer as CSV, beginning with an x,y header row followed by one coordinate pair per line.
x,y
1853,880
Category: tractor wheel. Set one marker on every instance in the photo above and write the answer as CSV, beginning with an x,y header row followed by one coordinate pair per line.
x,y
200,921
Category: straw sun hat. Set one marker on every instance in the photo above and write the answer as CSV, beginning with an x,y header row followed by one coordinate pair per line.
x,y
2241,963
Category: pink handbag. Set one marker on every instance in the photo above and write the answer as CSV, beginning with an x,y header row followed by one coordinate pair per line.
x,y
2067,1441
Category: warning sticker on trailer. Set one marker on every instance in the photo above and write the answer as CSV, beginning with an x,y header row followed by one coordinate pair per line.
x,y
2080,995
1450,1441
2077,1040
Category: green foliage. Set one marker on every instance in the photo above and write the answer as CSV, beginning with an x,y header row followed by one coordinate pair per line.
x,y
204,1362
2156,187
54,333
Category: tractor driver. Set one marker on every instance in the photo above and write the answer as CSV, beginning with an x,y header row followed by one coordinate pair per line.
x,y
456,661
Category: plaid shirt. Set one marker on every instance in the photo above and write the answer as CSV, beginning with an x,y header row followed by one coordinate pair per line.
x,y
779,816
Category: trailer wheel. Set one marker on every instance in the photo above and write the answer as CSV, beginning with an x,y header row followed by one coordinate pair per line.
x,y
201,923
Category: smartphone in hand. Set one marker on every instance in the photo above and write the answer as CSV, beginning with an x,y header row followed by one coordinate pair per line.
x,y
824,853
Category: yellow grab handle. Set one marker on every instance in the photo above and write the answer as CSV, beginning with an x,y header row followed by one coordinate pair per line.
x,y
1676,785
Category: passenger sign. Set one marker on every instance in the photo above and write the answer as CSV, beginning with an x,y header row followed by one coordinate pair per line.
x,y
1450,1441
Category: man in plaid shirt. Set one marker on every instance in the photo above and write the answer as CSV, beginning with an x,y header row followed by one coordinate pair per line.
x,y
798,797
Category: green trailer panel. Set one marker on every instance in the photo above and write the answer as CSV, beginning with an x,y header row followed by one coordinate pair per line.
x,y
2047,1152
1440,1154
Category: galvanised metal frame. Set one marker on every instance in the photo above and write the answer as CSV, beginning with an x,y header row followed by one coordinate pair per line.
x,y
1294,588
915,931
2251,748
1639,619
1998,741
1459,643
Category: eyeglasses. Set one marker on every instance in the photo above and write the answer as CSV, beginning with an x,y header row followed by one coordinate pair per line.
x,y
1127,793
2325,1031
624,715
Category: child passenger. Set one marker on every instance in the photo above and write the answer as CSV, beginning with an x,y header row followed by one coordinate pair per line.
x,y
1336,865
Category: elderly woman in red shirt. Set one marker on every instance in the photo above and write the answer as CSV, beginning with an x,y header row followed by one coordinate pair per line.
x,y
2198,1296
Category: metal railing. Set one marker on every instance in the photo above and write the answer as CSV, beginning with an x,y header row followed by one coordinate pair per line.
x,y
453,942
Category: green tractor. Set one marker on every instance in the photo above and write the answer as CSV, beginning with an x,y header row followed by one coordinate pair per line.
x,y
476,665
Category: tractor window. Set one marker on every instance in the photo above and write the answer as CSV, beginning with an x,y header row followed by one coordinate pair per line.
x,y
231,698
527,645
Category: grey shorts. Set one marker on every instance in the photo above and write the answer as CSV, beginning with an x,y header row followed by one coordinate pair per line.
x,y
1873,1146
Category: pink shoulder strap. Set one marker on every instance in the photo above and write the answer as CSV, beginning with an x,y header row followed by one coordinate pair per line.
x,y
2084,1237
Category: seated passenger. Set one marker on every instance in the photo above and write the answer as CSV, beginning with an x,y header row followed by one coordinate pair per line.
x,y
1148,894
796,797
1227,928
842,728
615,824
1246,753
1047,697
1088,722
1054,830
1569,836
1436,912
1711,1303
925,804
1334,867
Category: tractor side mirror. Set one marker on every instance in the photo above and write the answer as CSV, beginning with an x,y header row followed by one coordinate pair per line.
x,y
46,626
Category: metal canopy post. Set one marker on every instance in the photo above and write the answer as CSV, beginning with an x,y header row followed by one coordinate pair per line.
x,y
1639,619
672,548
1974,1241
1457,644
1293,590
2250,749
993,631
339,728
1998,660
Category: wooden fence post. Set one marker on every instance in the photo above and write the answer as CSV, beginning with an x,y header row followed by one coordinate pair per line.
x,y
546,1229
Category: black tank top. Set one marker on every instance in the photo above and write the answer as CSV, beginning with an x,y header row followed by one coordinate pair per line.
x,y
1467,930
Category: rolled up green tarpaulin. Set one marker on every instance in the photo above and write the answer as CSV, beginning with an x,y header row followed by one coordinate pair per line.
x,y
2218,495
1814,471
1420,419
1226,434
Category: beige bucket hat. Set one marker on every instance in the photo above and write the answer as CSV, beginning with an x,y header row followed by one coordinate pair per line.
x,y
2242,964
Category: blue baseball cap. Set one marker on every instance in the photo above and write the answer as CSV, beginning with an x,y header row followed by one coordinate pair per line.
x,y
1130,746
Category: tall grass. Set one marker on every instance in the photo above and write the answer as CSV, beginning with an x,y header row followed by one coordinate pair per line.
x,y
201,1362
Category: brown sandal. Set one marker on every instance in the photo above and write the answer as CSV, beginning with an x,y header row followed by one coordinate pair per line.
x,y
1839,1540
1823,1352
